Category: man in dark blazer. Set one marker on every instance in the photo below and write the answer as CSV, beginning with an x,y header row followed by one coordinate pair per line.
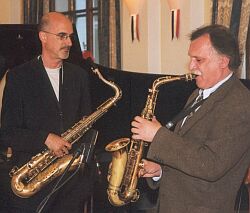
x,y
201,165
42,99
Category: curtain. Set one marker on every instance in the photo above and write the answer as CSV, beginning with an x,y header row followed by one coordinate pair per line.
x,y
248,52
248,55
34,10
109,33
235,15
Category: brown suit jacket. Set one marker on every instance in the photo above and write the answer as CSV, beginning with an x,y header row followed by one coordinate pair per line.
x,y
204,162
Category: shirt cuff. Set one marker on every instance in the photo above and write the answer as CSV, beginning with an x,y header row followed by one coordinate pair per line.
x,y
158,177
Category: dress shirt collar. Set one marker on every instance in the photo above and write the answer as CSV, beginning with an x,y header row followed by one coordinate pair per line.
x,y
209,91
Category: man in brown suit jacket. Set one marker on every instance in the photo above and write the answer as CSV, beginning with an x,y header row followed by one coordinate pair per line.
x,y
201,165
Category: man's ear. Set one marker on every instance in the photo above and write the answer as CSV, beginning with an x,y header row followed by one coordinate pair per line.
x,y
42,36
224,61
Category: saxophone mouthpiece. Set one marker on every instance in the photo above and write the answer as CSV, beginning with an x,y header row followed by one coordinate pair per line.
x,y
190,76
194,75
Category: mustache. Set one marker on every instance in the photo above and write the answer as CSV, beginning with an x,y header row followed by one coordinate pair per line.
x,y
65,48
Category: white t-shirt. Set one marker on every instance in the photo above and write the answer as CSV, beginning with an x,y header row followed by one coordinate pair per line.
x,y
54,79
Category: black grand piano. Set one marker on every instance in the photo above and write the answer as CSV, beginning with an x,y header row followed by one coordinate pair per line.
x,y
20,43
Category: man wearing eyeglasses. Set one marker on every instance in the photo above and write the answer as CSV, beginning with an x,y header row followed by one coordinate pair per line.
x,y
43,98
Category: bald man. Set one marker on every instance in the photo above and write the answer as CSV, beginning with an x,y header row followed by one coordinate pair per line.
x,y
43,98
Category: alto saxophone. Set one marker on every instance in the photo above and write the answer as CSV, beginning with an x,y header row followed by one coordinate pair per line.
x,y
45,166
123,173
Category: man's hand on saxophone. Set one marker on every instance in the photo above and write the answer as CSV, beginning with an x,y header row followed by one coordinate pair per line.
x,y
144,129
57,145
149,169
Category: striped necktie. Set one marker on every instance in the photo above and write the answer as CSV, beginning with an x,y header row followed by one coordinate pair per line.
x,y
198,99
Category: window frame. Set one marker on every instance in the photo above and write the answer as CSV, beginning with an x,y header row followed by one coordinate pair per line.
x,y
89,13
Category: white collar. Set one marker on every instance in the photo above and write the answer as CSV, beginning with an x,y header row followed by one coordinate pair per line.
x,y
209,91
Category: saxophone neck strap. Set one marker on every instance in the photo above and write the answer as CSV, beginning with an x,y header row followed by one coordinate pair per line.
x,y
185,112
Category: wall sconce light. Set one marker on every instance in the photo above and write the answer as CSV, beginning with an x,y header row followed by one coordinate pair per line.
x,y
134,6
174,6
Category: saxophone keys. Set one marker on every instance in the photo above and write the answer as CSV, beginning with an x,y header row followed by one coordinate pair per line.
x,y
136,196
13,171
141,165
141,170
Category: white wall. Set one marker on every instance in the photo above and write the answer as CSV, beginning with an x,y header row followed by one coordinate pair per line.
x,y
156,52
11,12
134,54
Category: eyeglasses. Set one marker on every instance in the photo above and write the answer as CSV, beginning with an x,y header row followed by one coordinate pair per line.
x,y
62,36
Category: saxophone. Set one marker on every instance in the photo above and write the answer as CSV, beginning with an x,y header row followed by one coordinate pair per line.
x,y
123,173
45,166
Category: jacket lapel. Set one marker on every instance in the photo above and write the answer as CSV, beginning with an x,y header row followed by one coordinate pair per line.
x,y
45,84
66,87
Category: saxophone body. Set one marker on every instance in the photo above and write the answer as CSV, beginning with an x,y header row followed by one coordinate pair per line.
x,y
127,153
45,166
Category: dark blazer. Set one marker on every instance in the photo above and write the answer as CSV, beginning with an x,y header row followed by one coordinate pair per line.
x,y
31,111
204,162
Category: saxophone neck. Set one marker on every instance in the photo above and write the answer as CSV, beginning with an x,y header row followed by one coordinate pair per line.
x,y
148,111
116,88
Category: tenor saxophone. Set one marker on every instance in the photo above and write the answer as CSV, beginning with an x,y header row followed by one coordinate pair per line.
x,y
125,165
45,166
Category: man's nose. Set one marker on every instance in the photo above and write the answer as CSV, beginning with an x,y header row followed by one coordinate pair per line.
x,y
69,41
192,65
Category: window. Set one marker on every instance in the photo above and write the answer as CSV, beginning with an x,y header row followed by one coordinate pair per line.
x,y
84,14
